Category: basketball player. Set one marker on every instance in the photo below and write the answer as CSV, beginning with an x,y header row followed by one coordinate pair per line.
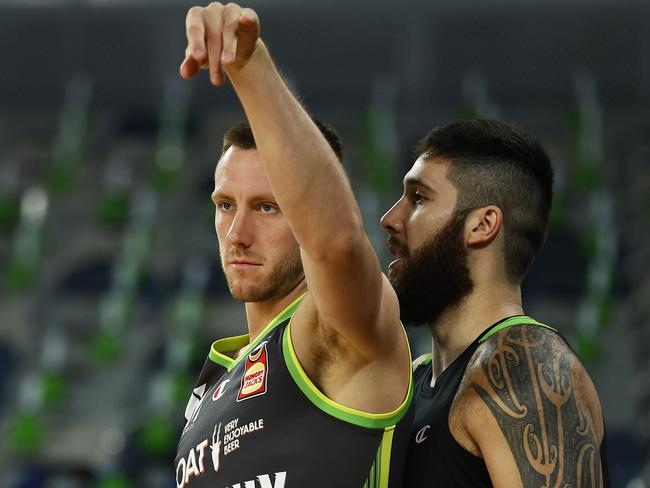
x,y
502,400
311,395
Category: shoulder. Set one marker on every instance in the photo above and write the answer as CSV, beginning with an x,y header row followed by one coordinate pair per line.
x,y
528,363
526,390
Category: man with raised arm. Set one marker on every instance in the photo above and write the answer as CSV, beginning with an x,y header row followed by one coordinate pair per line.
x,y
311,395
502,400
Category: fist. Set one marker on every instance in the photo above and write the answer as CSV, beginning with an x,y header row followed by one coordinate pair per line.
x,y
219,38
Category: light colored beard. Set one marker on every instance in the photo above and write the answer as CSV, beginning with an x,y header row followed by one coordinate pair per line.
x,y
283,277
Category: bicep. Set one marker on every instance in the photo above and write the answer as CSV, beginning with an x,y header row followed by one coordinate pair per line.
x,y
542,424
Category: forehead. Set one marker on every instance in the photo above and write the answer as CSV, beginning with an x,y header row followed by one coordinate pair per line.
x,y
430,173
240,170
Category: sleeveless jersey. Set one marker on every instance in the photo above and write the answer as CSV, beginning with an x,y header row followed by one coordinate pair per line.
x,y
259,422
434,457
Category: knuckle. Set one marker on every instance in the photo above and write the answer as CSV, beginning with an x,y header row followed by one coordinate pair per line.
x,y
252,15
229,27
232,11
215,7
214,37
194,28
194,11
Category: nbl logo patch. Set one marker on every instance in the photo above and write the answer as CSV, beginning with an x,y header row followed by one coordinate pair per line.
x,y
253,382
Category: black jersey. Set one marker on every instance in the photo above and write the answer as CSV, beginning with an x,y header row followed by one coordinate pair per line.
x,y
259,422
434,456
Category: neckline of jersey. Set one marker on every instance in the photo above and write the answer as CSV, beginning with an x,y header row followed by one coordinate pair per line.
x,y
504,323
217,355
509,322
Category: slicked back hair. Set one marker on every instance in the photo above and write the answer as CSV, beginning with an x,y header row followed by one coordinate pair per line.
x,y
241,135
493,163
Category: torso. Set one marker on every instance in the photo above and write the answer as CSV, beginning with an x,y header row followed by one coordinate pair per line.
x,y
258,422
434,454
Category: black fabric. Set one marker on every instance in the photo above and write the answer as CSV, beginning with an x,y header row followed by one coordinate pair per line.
x,y
399,450
312,448
438,460
604,461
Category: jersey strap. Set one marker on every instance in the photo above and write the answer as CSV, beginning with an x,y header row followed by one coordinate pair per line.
x,y
422,360
512,321
341,412
220,348
380,470
425,359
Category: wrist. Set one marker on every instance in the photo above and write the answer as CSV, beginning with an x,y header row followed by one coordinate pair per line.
x,y
258,60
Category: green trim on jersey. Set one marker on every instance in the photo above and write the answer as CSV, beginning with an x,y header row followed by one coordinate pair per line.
x,y
380,469
220,348
511,322
517,320
232,344
329,406
424,359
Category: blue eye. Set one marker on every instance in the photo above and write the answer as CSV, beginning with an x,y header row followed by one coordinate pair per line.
x,y
225,206
268,208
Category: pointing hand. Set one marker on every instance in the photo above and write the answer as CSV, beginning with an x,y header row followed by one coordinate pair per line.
x,y
219,38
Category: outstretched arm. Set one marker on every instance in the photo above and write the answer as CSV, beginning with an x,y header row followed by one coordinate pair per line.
x,y
347,290
528,407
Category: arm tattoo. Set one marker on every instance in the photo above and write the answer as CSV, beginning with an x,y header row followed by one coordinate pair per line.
x,y
525,380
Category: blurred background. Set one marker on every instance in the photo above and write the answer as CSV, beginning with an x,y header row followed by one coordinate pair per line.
x,y
110,287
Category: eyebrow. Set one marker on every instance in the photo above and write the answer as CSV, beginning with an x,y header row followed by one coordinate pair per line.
x,y
413,181
268,197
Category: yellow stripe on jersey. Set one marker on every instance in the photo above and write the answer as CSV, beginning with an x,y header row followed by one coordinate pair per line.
x,y
380,469
329,406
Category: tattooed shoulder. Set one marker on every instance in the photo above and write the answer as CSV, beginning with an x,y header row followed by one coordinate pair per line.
x,y
544,404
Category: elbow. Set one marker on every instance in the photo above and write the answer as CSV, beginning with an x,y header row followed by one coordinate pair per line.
x,y
347,245
342,243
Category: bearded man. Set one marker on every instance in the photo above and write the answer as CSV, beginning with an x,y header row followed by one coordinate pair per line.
x,y
502,400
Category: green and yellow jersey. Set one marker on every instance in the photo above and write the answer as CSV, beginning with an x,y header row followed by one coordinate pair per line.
x,y
259,422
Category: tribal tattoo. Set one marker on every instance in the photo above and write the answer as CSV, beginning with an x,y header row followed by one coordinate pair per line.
x,y
526,378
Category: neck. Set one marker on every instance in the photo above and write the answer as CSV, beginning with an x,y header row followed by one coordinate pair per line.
x,y
260,314
459,326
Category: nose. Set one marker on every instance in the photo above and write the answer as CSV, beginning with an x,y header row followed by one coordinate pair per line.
x,y
240,230
391,220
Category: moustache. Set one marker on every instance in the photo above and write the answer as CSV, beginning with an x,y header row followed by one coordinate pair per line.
x,y
243,255
396,246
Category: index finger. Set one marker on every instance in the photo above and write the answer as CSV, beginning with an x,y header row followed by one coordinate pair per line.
x,y
195,32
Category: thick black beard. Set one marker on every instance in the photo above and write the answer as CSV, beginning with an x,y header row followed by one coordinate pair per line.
x,y
435,277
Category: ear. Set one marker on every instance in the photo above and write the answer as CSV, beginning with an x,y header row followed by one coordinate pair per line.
x,y
483,225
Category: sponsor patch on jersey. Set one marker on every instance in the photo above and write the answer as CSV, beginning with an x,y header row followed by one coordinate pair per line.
x,y
220,390
253,382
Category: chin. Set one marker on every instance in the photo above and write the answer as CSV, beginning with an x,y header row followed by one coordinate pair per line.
x,y
253,293
244,297
240,291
